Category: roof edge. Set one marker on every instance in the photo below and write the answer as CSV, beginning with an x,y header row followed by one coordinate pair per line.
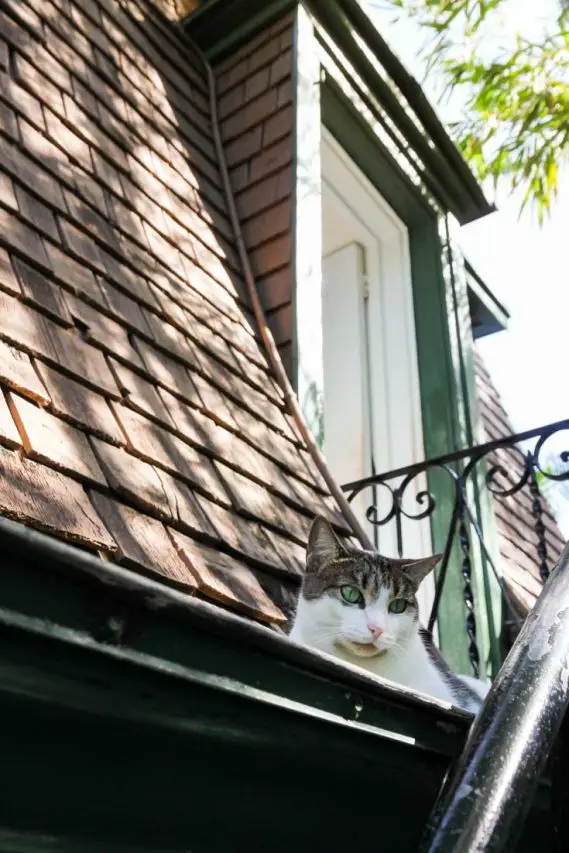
x,y
236,19
243,18
33,558
472,202
493,316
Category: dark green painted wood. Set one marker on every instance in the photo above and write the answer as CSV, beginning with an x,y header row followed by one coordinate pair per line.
x,y
489,315
192,734
439,383
45,579
134,785
108,747
487,593
23,841
405,105
221,26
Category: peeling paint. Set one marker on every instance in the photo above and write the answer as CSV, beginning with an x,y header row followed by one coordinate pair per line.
x,y
540,644
565,677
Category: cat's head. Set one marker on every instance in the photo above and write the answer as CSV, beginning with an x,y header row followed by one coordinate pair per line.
x,y
359,600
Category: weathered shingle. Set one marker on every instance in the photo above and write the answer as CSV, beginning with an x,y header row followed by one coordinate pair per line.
x,y
161,437
36,494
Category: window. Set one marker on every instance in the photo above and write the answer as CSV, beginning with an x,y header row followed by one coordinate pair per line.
x,y
371,404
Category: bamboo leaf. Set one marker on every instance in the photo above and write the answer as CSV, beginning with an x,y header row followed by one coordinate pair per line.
x,y
516,120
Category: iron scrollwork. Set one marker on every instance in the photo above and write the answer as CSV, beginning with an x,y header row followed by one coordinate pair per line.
x,y
504,468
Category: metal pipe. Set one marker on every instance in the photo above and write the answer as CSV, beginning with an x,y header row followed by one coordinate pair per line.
x,y
484,802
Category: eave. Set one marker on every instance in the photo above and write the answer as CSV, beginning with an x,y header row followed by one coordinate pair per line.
x,y
401,96
488,314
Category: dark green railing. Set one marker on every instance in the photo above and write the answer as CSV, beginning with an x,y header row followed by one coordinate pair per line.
x,y
505,468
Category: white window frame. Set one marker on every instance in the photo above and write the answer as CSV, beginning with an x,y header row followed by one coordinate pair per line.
x,y
397,439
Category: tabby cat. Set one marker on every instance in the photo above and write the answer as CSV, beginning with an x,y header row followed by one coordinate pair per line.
x,y
362,608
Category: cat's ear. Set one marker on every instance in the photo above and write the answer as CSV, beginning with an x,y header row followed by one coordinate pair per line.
x,y
418,570
323,544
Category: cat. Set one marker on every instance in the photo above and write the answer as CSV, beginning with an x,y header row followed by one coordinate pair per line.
x,y
362,607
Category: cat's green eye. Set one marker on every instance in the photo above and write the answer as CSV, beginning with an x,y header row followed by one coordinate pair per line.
x,y
351,594
398,605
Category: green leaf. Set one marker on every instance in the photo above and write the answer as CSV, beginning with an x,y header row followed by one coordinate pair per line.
x,y
516,103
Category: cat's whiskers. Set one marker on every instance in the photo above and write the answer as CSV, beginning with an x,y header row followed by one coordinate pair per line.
x,y
329,635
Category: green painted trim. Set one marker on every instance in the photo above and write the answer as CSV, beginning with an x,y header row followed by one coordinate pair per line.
x,y
126,750
221,27
491,314
28,841
445,411
487,595
402,100
50,587
167,739
167,736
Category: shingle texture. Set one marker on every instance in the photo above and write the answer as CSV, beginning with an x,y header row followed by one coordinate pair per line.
x,y
138,415
517,538
255,86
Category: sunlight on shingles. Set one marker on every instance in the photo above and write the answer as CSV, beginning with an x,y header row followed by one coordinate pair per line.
x,y
134,9
180,163
182,177
41,147
146,86
152,212
204,232
165,171
116,35
253,496
158,165
157,93
214,266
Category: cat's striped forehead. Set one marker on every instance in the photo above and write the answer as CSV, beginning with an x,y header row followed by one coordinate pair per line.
x,y
369,572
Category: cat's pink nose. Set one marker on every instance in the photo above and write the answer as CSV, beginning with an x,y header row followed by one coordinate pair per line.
x,y
376,631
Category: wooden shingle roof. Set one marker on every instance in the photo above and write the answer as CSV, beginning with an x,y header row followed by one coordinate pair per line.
x,y
138,416
517,538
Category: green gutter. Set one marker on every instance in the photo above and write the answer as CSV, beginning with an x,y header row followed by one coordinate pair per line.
x,y
135,718
133,713
48,580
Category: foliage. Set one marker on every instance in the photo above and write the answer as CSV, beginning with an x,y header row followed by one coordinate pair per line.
x,y
515,124
556,465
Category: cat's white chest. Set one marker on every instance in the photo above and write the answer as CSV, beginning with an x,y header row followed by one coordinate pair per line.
x,y
411,668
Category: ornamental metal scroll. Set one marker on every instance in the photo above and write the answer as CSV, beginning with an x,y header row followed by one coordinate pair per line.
x,y
468,471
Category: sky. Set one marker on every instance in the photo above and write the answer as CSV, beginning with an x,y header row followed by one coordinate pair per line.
x,y
523,264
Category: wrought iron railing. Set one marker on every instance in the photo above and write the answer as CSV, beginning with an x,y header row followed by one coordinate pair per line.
x,y
524,722
504,468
